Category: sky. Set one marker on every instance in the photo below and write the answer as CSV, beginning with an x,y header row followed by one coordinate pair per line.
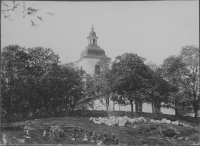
x,y
152,29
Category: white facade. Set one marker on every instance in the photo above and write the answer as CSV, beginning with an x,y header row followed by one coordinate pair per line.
x,y
87,64
147,108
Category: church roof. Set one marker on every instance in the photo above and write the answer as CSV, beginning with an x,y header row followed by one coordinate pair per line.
x,y
92,33
92,51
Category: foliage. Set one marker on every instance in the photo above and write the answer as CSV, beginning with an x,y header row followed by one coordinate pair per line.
x,y
9,8
173,71
190,56
98,86
158,89
182,73
131,77
34,80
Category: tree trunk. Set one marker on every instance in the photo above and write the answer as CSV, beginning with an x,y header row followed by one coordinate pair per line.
x,y
176,110
153,108
195,107
107,103
131,102
195,113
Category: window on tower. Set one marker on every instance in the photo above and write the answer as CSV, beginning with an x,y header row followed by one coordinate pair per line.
x,y
93,41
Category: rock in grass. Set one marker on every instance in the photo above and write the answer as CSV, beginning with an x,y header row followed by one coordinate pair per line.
x,y
97,122
175,123
21,140
28,128
180,138
186,138
168,122
99,142
123,123
91,119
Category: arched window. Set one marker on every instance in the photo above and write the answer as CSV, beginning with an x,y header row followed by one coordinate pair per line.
x,y
93,41
97,69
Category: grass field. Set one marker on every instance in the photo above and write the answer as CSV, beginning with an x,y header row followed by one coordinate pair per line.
x,y
142,133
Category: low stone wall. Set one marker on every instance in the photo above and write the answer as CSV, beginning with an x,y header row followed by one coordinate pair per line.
x,y
15,117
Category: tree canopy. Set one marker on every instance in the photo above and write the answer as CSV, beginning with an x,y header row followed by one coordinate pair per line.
x,y
35,79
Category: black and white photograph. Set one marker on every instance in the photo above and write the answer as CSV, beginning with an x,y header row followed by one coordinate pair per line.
x,y
119,73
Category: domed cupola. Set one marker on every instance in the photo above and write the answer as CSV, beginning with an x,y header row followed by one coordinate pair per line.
x,y
92,50
92,33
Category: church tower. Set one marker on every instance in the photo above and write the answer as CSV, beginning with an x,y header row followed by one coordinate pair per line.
x,y
91,54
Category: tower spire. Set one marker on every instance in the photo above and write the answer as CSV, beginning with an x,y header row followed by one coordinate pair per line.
x,y
92,27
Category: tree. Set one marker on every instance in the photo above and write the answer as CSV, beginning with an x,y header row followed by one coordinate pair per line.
x,y
190,56
40,65
99,85
104,81
182,73
9,8
73,86
131,77
34,79
173,71
13,61
158,89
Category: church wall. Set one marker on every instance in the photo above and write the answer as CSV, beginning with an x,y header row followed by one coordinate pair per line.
x,y
168,111
88,64
82,63
147,108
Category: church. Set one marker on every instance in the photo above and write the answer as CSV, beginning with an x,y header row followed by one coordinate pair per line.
x,y
91,54
88,62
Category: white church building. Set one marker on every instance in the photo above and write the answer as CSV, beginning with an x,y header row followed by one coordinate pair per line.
x,y
88,60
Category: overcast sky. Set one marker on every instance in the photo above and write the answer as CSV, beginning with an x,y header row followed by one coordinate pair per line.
x,y
152,29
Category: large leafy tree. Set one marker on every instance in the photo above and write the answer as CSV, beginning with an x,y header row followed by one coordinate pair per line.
x,y
158,89
190,57
99,85
14,60
40,65
182,73
173,71
131,77
34,79
104,81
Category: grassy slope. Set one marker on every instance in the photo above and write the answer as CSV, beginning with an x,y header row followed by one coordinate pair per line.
x,y
127,135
